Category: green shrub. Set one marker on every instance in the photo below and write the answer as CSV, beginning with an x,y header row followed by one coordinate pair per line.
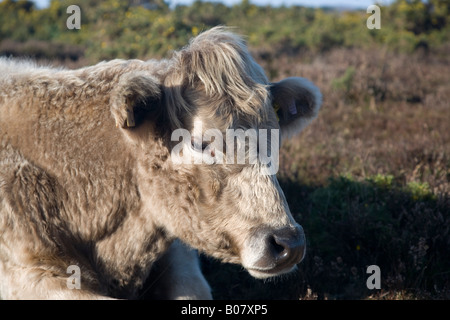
x,y
118,28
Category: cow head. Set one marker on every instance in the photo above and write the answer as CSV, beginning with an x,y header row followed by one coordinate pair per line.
x,y
211,125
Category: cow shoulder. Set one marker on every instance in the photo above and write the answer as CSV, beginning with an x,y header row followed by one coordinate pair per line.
x,y
33,196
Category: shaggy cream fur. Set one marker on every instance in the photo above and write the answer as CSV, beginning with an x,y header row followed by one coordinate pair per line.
x,y
86,177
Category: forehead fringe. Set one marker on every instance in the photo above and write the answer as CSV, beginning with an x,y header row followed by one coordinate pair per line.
x,y
218,61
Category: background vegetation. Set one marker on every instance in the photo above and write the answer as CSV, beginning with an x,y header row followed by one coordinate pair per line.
x,y
369,180
144,29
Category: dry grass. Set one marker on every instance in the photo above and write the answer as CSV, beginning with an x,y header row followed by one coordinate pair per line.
x,y
391,117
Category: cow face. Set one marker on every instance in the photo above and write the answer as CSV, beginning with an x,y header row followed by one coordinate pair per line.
x,y
226,123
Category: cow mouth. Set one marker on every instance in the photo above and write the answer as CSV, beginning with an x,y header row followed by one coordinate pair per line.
x,y
270,273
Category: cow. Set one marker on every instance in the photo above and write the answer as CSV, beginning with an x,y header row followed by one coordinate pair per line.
x,y
91,199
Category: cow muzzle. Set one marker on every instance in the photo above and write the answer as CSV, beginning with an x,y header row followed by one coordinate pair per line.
x,y
269,252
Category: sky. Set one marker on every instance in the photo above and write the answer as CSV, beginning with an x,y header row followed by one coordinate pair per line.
x,y
310,3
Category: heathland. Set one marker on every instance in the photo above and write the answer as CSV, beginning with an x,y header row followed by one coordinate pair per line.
x,y
369,180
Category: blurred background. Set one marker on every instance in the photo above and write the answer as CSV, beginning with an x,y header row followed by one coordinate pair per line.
x,y
369,180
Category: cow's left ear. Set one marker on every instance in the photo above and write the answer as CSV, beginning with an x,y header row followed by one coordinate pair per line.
x,y
296,102
136,96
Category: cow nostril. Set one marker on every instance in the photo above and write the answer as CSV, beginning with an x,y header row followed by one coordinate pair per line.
x,y
287,246
279,248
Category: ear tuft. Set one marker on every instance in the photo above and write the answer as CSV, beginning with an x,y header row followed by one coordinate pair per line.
x,y
296,102
136,95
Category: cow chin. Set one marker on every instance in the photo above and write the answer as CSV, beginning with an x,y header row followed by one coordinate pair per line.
x,y
272,273
270,253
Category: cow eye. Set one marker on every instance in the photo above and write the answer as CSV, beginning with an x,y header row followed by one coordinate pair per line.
x,y
199,146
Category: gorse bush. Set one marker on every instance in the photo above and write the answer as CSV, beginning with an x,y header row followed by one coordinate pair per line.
x,y
118,28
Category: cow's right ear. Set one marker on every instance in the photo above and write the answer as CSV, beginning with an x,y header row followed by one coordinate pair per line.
x,y
136,96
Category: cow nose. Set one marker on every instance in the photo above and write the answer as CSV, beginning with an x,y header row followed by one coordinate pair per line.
x,y
270,252
287,245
